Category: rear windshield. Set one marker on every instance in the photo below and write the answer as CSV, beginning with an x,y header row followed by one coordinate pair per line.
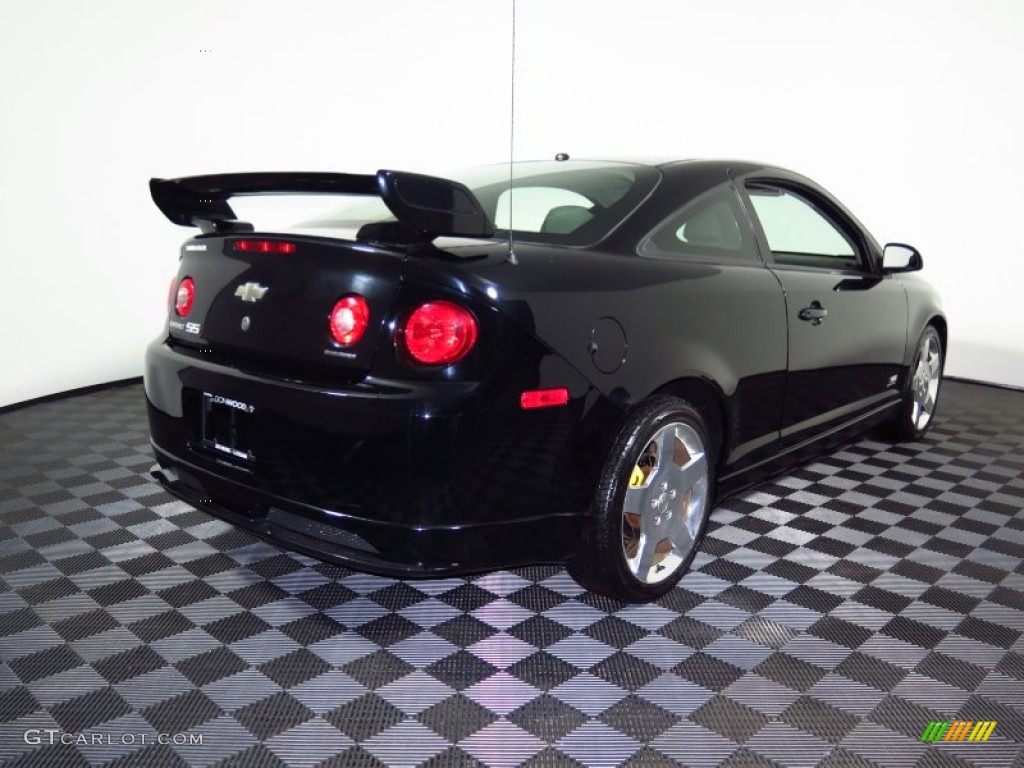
x,y
573,202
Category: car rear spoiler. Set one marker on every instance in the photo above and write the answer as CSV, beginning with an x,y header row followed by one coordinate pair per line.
x,y
425,206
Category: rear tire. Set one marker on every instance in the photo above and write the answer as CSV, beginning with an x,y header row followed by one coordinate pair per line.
x,y
921,389
652,503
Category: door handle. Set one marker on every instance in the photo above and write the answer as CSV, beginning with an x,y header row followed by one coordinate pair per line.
x,y
814,314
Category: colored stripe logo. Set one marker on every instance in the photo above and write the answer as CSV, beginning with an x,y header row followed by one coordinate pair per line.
x,y
959,730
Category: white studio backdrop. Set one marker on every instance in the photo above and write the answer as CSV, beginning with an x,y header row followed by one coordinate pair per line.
x,y
907,110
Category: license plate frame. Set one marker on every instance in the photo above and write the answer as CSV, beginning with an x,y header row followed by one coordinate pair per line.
x,y
226,428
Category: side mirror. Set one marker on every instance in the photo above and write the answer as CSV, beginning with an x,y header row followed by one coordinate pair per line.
x,y
900,257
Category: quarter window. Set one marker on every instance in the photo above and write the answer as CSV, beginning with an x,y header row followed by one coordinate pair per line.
x,y
798,233
710,228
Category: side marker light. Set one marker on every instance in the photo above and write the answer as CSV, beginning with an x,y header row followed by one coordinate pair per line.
x,y
544,398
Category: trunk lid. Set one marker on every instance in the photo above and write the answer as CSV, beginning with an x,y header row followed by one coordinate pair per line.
x,y
266,310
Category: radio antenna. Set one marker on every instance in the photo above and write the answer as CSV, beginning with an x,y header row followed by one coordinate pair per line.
x,y
512,141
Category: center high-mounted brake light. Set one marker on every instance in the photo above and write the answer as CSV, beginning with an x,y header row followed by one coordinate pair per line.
x,y
264,246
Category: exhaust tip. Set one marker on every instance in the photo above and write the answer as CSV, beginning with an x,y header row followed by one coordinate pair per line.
x,y
167,475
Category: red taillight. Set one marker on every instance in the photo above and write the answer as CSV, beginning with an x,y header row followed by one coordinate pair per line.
x,y
439,333
543,398
349,320
185,296
264,246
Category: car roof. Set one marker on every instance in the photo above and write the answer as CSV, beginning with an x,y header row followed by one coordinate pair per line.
x,y
672,165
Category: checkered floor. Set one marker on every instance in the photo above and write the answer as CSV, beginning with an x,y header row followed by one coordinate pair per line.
x,y
830,616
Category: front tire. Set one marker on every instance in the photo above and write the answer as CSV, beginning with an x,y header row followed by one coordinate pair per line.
x,y
921,390
652,503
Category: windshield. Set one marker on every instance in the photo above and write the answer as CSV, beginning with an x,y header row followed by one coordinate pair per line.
x,y
573,202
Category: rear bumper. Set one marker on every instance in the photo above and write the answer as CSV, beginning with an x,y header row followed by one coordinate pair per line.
x,y
392,477
390,549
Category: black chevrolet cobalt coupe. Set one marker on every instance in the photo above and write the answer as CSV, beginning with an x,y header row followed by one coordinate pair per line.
x,y
563,361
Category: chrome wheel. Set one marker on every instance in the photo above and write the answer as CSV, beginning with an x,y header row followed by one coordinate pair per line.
x,y
924,383
665,503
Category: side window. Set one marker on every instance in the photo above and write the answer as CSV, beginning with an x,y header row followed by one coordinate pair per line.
x,y
711,227
798,233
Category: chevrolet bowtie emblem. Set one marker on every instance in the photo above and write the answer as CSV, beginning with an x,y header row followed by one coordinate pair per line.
x,y
252,292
